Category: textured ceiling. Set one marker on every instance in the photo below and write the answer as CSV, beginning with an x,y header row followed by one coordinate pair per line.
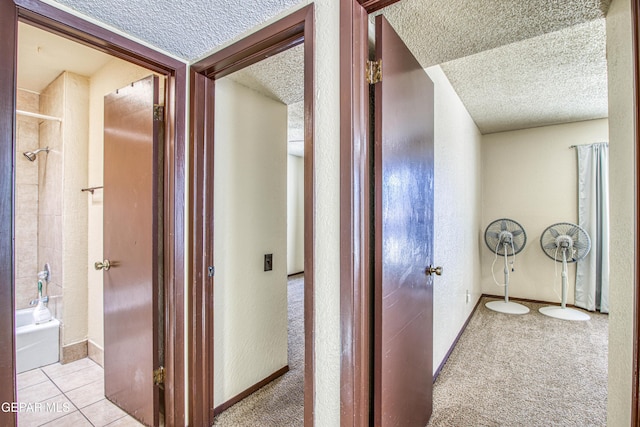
x,y
514,64
188,29
555,78
521,63
438,31
296,129
280,77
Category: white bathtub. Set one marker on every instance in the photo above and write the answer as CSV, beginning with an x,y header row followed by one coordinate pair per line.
x,y
36,345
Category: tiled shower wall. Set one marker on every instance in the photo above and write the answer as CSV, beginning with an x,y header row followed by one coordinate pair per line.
x,y
26,227
50,185
51,211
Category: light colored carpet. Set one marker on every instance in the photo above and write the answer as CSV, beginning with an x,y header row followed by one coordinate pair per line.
x,y
506,370
528,370
281,402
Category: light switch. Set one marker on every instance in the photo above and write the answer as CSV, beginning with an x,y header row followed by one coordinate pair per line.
x,y
268,262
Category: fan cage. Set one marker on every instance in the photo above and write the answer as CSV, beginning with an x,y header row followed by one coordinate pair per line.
x,y
581,243
494,230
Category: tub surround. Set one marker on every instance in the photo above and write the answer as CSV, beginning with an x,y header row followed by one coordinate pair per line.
x,y
36,345
26,230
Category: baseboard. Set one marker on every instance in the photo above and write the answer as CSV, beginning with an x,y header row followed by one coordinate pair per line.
x,y
95,352
453,345
229,403
72,352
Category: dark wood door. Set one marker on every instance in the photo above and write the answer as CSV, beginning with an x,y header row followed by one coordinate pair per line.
x,y
403,302
131,140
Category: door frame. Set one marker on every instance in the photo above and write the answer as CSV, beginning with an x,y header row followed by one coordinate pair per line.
x,y
75,28
288,32
355,250
635,394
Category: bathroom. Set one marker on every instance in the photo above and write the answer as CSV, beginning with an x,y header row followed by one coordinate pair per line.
x,y
52,218
59,209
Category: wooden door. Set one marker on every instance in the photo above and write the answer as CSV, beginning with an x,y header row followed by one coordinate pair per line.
x,y
403,162
131,239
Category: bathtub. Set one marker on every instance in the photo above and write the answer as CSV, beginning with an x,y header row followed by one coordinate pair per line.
x,y
36,345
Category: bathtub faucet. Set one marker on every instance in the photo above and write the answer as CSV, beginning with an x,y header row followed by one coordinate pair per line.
x,y
37,300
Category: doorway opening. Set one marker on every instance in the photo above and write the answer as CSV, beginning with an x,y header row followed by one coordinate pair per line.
x,y
462,152
279,40
259,243
59,201
60,92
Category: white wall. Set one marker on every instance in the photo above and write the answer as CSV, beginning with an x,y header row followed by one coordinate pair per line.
x,y
530,176
295,214
114,75
250,212
75,130
622,178
457,198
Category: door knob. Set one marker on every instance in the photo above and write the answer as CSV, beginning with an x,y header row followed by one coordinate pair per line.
x,y
431,269
104,265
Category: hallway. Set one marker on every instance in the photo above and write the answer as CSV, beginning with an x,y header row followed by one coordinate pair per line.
x,y
281,402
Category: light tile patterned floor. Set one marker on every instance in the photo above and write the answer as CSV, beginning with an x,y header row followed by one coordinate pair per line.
x,y
68,395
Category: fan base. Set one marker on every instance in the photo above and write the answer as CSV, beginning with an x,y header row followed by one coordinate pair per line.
x,y
507,307
564,313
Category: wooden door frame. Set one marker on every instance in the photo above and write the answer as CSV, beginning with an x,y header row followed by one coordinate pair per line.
x,y
355,250
79,30
635,395
286,33
355,220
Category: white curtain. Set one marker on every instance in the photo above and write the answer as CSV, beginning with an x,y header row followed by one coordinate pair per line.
x,y
592,275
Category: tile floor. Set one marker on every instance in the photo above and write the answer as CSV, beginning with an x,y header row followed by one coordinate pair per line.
x,y
68,395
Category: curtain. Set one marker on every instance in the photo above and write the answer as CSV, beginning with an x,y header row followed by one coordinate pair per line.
x,y
592,274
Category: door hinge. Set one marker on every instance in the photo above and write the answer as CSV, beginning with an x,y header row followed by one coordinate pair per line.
x,y
158,113
374,71
211,271
158,376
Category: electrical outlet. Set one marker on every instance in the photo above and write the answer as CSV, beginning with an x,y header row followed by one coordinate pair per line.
x,y
268,262
468,297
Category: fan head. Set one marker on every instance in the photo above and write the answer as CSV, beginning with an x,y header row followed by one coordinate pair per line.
x,y
567,238
505,231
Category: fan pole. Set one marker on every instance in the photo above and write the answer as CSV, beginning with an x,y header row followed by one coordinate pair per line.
x,y
506,274
564,278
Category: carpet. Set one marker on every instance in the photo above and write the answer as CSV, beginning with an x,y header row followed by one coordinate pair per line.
x,y
527,370
281,402
506,370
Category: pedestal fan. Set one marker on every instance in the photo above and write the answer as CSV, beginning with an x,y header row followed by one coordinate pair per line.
x,y
503,236
565,242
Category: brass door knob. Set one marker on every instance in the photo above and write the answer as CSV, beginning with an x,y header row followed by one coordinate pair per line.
x,y
431,269
104,265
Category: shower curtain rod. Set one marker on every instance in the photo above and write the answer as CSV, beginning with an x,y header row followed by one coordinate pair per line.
x,y
576,146
37,116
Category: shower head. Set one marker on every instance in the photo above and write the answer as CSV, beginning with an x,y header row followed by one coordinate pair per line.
x,y
31,155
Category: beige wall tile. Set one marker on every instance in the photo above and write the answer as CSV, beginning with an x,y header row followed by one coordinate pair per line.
x,y
27,101
26,290
72,352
